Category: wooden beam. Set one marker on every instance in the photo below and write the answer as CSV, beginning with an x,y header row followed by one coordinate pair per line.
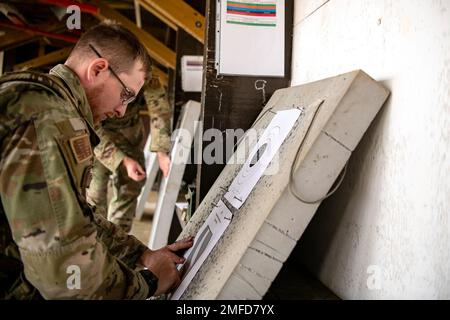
x,y
61,55
50,58
84,7
183,15
38,31
41,51
158,14
14,37
119,5
137,14
156,49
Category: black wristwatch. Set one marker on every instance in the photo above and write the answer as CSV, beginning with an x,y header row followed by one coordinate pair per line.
x,y
152,281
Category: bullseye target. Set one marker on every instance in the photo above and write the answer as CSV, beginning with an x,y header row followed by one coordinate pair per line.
x,y
260,156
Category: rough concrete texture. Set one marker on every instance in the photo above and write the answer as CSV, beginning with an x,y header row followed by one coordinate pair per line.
x,y
264,231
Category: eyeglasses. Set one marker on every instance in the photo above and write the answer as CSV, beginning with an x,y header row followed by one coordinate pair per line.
x,y
127,95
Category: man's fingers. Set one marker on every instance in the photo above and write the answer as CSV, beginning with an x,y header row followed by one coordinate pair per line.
x,y
164,163
139,177
166,169
136,176
140,169
176,259
182,244
134,169
138,173
176,282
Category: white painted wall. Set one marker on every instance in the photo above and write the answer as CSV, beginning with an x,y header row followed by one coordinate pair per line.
x,y
393,209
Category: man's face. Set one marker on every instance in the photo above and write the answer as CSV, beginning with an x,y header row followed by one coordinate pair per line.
x,y
105,96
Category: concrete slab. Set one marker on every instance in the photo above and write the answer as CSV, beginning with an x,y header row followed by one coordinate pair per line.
x,y
263,232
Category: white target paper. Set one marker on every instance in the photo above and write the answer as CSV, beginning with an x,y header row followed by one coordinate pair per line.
x,y
261,156
220,217
204,242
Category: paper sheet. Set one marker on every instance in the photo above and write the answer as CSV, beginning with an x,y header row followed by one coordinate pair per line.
x,y
244,182
250,37
260,156
204,242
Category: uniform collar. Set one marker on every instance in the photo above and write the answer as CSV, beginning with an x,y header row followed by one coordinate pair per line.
x,y
73,84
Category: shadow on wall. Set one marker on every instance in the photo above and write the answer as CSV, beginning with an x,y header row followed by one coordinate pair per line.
x,y
321,234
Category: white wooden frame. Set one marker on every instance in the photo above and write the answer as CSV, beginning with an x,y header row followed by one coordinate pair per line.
x,y
170,186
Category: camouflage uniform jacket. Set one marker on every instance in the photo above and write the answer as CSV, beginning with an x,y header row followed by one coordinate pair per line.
x,y
118,135
46,227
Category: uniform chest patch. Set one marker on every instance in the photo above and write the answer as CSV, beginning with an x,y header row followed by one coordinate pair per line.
x,y
81,147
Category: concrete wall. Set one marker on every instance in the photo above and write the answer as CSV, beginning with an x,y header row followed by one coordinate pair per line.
x,y
386,233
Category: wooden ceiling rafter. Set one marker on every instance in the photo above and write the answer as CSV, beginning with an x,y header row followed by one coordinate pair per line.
x,y
40,32
19,35
158,15
46,59
177,13
157,50
15,37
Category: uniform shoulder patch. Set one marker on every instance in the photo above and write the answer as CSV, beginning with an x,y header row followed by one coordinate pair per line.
x,y
69,127
77,124
81,147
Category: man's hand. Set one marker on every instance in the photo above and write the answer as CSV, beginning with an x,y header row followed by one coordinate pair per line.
x,y
162,263
133,168
164,162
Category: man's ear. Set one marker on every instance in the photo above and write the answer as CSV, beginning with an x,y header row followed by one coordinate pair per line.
x,y
96,69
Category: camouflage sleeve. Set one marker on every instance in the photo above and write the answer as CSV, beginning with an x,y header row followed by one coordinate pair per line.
x,y
107,152
160,116
63,254
120,244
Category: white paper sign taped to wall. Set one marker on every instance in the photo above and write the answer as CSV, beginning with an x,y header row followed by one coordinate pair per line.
x,y
250,39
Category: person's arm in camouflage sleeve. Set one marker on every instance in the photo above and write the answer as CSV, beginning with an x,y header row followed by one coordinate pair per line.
x,y
160,122
107,152
49,226
120,244
160,116
132,252
112,156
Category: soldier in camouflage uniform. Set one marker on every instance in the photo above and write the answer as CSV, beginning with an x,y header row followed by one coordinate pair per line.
x,y
48,233
124,137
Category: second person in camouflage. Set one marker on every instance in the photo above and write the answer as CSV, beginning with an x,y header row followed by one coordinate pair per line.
x,y
120,155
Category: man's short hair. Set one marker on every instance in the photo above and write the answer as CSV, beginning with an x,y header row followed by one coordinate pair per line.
x,y
116,44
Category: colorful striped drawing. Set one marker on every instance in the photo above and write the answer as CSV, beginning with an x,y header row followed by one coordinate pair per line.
x,y
263,10
250,12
